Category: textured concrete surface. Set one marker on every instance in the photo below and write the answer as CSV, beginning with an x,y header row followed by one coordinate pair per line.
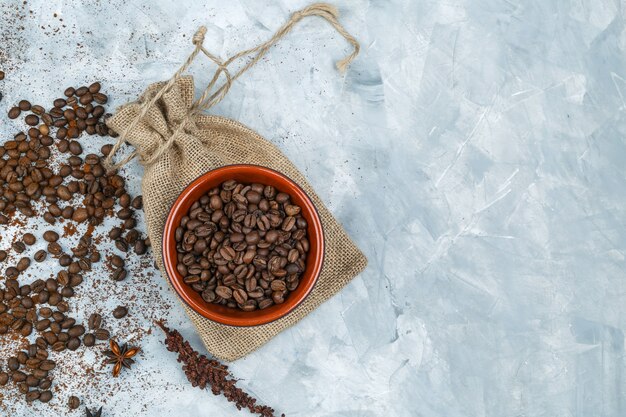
x,y
475,151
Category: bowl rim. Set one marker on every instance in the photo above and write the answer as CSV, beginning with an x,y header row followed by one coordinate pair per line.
x,y
168,263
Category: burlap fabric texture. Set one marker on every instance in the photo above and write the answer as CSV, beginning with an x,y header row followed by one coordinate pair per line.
x,y
176,143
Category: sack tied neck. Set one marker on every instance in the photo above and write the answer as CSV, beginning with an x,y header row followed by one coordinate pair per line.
x,y
208,98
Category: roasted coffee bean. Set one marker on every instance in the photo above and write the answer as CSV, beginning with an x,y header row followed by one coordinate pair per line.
x,y
95,320
121,245
50,236
45,396
76,331
137,203
73,402
120,312
224,292
29,239
18,246
73,343
32,120
119,274
3,255
14,112
102,334
11,272
24,105
47,365
13,364
54,248
65,260
42,325
40,255
89,340
23,264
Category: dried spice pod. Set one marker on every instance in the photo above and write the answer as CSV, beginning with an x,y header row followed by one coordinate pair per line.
x,y
203,372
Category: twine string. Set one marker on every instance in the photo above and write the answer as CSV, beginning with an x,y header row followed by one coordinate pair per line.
x,y
208,99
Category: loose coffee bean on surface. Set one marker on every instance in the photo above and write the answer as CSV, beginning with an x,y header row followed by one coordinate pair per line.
x,y
24,105
95,320
120,312
14,112
102,334
40,255
73,402
89,340
32,120
29,239
50,236
18,246
239,238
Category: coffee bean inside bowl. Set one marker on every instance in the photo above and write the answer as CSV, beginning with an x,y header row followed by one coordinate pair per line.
x,y
242,246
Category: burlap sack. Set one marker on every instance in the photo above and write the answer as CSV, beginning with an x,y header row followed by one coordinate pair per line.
x,y
176,144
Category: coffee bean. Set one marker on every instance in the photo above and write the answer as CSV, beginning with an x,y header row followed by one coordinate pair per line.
x,y
40,255
227,253
95,320
73,344
119,274
3,255
140,247
11,272
54,248
24,105
121,245
31,120
73,402
14,112
13,364
102,334
120,312
29,239
89,340
18,246
76,331
224,292
47,365
45,396
23,264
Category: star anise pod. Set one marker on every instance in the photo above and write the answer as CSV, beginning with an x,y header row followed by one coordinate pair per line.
x,y
120,356
88,412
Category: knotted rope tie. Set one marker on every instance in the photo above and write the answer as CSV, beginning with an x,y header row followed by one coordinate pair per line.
x,y
166,146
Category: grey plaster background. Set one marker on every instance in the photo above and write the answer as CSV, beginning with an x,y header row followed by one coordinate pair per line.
x,y
475,151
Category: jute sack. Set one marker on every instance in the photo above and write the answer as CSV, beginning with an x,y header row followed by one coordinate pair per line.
x,y
176,143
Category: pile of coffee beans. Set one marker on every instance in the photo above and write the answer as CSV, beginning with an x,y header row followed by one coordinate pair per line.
x,y
243,246
69,188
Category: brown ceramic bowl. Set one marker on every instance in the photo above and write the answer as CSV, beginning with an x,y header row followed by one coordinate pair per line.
x,y
246,174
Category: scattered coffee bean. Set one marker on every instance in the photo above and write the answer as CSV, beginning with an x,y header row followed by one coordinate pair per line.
x,y
73,402
102,334
120,312
50,236
40,255
95,320
89,340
